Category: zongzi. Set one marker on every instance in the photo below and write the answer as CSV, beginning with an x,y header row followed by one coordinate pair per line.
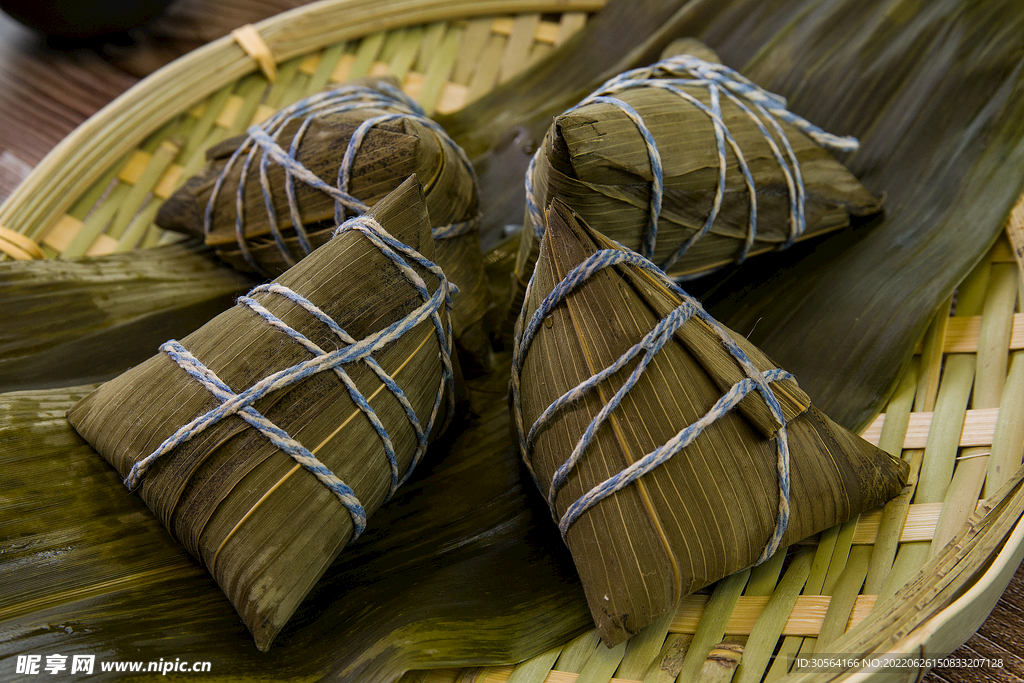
x,y
671,450
275,194
693,166
341,367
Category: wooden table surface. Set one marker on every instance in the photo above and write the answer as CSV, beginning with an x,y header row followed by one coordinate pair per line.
x,y
48,87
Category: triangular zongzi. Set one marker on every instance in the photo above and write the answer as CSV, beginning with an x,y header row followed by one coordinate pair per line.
x,y
693,166
624,392
341,367
270,197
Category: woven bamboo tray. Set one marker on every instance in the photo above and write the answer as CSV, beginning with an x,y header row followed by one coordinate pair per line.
x,y
916,578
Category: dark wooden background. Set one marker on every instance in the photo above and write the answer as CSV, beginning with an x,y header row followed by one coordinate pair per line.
x,y
48,87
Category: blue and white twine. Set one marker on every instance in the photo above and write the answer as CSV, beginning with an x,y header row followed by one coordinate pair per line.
x,y
686,71
264,138
434,306
646,349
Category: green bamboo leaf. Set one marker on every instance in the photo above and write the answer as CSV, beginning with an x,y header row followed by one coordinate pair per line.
x,y
88,319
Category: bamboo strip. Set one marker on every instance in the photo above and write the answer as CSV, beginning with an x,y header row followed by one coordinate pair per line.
x,y
85,204
297,87
931,359
763,579
1008,440
844,598
250,90
252,42
515,58
486,74
366,54
919,524
310,63
804,619
535,669
538,52
439,69
575,653
194,144
433,36
840,556
602,663
275,96
669,662
136,230
829,559
343,68
329,59
963,333
391,42
894,514
642,648
20,243
1015,233
708,632
938,460
474,39
137,195
546,33
62,232
571,23
771,621
502,26
405,52
990,378
720,666
978,428
94,225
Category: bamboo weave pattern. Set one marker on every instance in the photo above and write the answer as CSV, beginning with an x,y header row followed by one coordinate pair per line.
x,y
393,101
353,351
673,74
648,346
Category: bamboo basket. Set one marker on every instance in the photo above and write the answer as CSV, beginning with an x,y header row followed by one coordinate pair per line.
x,y
917,578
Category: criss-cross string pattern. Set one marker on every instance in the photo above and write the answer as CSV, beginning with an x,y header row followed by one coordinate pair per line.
x,y
433,310
645,350
674,75
263,139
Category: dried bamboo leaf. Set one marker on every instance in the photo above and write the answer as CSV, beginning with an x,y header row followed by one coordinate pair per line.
x,y
337,152
228,486
82,320
709,510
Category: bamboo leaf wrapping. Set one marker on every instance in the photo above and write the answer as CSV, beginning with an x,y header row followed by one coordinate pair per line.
x,y
722,502
266,509
694,167
268,198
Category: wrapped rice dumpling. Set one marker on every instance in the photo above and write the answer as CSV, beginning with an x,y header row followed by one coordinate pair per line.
x,y
671,450
265,439
693,166
267,199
